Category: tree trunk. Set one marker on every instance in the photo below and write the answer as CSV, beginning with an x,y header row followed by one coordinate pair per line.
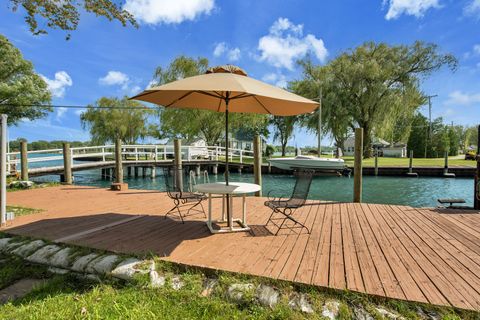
x,y
367,141
284,149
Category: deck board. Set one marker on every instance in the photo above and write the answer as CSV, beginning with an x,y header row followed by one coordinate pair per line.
x,y
417,254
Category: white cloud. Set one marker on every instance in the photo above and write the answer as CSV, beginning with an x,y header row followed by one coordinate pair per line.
x,y
58,85
415,8
232,54
168,11
476,49
60,113
472,9
459,98
276,79
285,43
114,78
220,49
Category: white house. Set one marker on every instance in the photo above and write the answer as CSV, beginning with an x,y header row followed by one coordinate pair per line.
x,y
383,148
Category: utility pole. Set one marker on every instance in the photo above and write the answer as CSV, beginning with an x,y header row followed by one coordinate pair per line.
x,y
319,147
429,133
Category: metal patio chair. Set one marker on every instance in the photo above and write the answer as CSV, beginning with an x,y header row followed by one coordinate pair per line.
x,y
183,200
284,208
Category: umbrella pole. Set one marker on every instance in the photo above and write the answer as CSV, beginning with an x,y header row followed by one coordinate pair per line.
x,y
227,95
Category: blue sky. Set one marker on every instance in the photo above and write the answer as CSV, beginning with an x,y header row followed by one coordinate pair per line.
x,y
264,37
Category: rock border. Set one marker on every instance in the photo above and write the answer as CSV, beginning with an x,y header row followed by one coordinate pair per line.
x,y
92,265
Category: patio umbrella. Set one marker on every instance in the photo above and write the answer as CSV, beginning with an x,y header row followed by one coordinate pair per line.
x,y
227,89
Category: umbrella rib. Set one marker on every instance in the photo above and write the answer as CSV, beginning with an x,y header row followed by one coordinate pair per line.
x,y
178,99
242,95
210,94
219,104
255,97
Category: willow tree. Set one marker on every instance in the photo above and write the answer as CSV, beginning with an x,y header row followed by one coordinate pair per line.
x,y
109,119
65,14
374,81
335,118
192,124
23,93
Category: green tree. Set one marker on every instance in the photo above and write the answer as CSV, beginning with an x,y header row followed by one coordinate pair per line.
x,y
112,118
417,139
191,124
335,117
374,80
471,136
65,14
283,130
20,87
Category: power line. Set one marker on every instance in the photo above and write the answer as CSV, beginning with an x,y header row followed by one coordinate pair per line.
x,y
73,106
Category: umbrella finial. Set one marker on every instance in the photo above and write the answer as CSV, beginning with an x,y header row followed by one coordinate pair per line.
x,y
228,68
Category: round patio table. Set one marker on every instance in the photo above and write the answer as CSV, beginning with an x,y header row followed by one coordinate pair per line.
x,y
233,188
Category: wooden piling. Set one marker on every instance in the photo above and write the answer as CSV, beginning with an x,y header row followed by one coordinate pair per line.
x,y
67,164
135,171
376,162
129,172
215,169
118,161
177,151
357,173
23,161
410,172
257,162
447,174
153,172
197,170
476,196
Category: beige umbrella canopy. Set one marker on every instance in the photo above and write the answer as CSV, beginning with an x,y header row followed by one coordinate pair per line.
x,y
212,91
227,89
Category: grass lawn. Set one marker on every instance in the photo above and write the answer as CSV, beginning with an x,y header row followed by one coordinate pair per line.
x,y
70,297
22,211
417,162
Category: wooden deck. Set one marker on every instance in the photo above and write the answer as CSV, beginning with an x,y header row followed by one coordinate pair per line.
x,y
425,255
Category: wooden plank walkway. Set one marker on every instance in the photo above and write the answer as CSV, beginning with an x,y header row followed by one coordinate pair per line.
x,y
417,254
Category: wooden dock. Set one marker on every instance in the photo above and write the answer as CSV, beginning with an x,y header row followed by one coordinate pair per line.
x,y
424,255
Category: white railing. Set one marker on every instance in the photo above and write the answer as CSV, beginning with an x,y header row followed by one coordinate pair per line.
x,y
130,153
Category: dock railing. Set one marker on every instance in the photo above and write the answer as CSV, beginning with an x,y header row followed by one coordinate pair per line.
x,y
130,153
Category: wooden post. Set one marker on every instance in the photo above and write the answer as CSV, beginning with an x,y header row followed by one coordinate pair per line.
x,y
257,162
118,161
177,150
357,173
376,162
215,169
3,171
410,162
476,198
67,164
23,161
153,172
447,174
445,167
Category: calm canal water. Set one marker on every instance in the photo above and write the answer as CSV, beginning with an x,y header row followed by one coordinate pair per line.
x,y
417,192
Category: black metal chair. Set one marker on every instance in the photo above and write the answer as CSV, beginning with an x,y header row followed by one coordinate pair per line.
x,y
283,209
174,185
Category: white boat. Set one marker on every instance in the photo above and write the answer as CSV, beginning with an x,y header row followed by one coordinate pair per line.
x,y
308,162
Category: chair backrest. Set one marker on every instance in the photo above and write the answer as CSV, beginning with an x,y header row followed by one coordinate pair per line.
x,y
174,182
302,187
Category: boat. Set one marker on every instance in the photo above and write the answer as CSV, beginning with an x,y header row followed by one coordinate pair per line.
x,y
309,162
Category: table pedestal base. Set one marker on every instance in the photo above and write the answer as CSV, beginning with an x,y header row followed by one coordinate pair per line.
x,y
225,229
